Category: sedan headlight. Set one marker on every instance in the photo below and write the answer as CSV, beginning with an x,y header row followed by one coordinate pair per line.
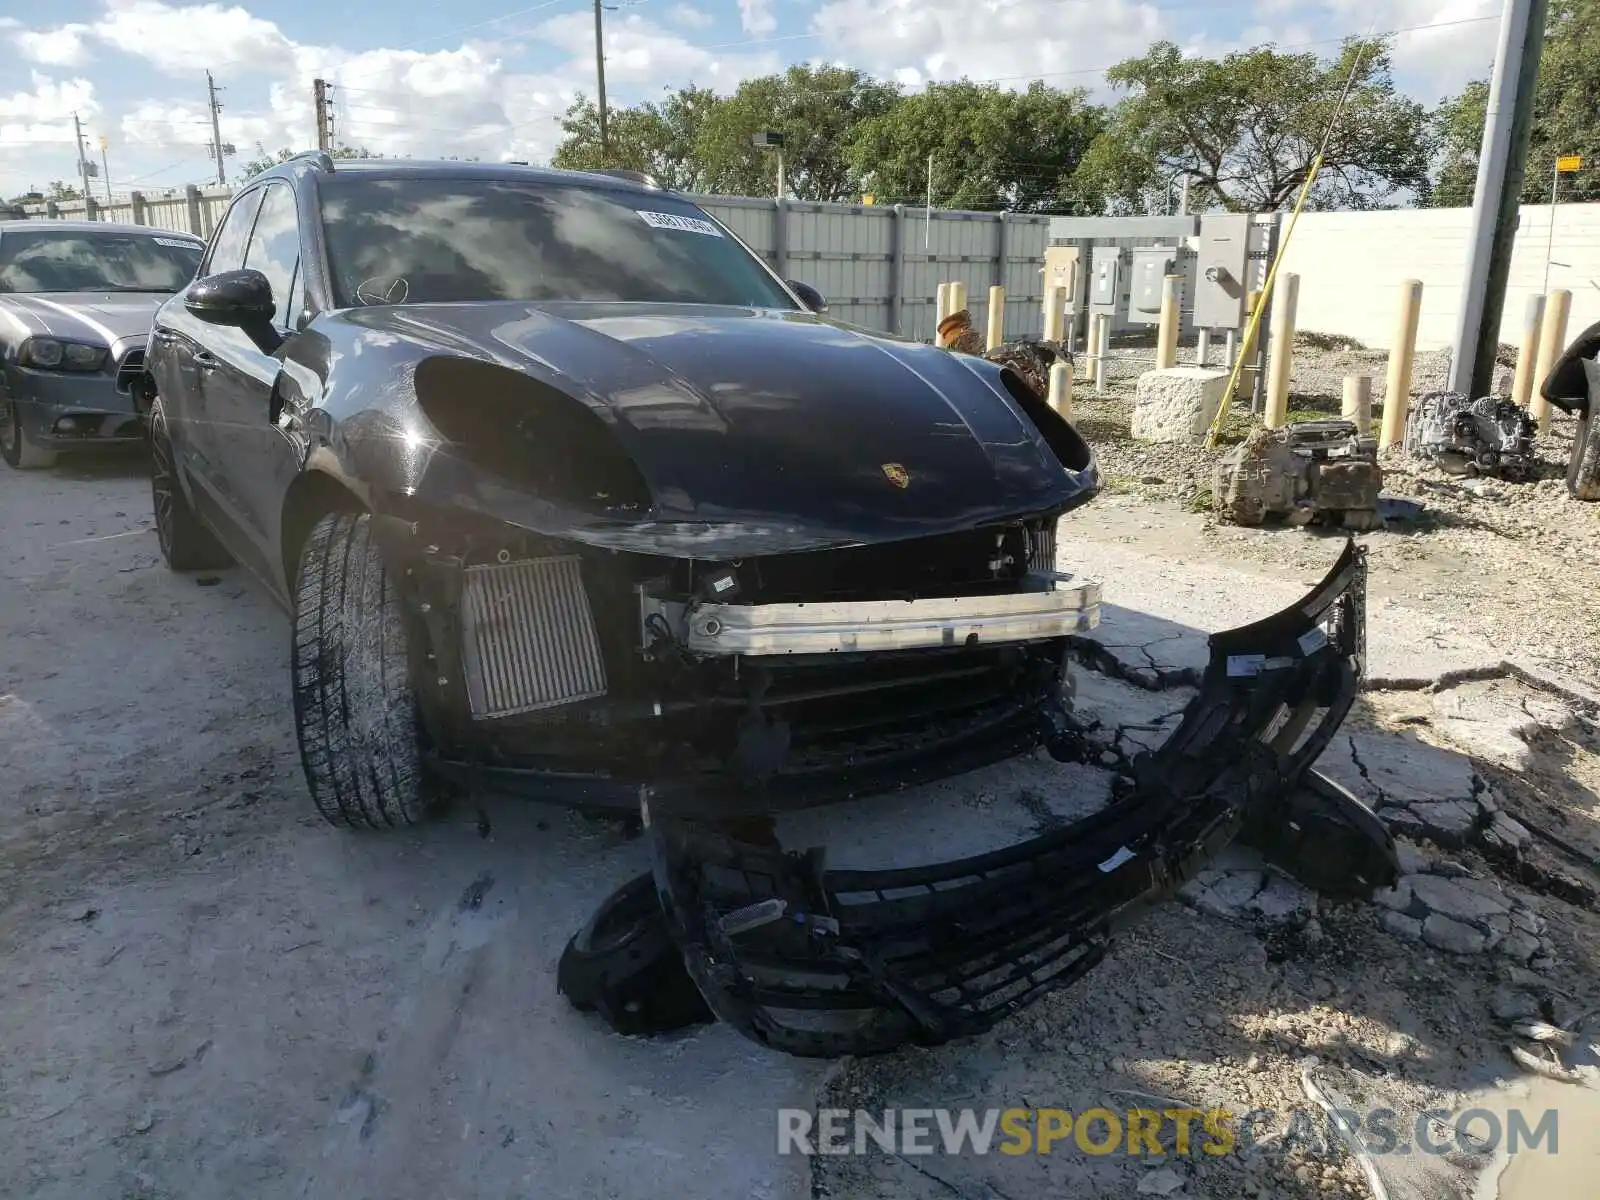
x,y
51,354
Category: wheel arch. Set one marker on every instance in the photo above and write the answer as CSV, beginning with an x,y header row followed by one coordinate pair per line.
x,y
315,492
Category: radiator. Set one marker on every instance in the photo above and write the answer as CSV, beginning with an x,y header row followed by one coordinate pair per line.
x,y
528,637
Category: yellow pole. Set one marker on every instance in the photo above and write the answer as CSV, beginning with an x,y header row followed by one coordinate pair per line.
x,y
1055,303
1281,358
1357,404
941,307
1061,389
958,296
997,317
1402,349
1551,345
1167,333
1272,274
1528,355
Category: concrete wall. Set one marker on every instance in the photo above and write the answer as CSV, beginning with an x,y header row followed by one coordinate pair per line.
x,y
1351,265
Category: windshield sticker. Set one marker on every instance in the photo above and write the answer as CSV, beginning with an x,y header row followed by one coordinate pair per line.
x,y
177,242
683,224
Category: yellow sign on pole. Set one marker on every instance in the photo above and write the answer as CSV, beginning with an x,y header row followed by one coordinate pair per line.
x,y
104,145
1568,163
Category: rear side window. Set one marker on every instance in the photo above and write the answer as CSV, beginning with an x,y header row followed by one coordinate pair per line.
x,y
227,246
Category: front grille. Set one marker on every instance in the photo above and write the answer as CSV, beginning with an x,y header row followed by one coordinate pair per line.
x,y
129,369
528,637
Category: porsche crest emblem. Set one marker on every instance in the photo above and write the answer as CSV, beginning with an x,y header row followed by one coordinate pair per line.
x,y
897,475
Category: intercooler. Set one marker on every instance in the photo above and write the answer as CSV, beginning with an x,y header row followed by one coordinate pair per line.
x,y
528,637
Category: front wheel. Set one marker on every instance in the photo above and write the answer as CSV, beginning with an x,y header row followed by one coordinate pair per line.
x,y
15,447
355,710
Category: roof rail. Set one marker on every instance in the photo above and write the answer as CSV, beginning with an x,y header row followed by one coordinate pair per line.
x,y
322,160
632,176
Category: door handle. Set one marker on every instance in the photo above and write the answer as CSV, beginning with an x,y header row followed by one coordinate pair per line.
x,y
205,361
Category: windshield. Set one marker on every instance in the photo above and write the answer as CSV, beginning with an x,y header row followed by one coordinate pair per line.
x,y
47,260
417,241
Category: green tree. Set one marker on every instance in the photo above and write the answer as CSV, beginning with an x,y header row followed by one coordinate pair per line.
x,y
1566,116
658,139
59,190
817,110
992,149
1245,128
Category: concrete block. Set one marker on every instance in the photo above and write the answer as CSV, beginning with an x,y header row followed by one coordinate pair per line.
x,y
1177,404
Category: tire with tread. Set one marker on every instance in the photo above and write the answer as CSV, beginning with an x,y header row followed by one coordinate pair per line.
x,y
355,710
186,544
15,447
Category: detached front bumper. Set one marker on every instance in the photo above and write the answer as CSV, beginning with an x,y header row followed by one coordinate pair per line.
x,y
819,962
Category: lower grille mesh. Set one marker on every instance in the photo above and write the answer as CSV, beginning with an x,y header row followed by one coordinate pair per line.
x,y
528,637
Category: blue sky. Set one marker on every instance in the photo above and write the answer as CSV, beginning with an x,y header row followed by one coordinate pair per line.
x,y
489,77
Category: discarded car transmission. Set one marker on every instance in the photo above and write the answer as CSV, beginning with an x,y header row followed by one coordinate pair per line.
x,y
1487,436
1314,471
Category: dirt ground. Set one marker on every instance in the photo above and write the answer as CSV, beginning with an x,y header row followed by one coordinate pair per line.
x,y
205,991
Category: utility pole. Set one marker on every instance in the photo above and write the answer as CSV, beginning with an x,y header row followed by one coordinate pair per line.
x,y
105,168
927,213
1502,160
216,127
83,161
600,77
319,100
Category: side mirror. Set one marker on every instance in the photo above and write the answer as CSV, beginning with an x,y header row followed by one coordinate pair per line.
x,y
241,299
809,296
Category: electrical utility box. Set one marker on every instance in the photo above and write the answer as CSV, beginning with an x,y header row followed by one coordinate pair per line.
x,y
1151,266
1222,274
1061,265
1105,279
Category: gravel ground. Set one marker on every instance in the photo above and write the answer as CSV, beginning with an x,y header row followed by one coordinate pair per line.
x,y
1518,563
207,992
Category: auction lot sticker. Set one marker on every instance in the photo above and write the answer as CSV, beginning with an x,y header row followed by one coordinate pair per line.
x,y
684,224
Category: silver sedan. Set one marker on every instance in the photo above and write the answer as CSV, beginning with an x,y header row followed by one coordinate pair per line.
x,y
77,300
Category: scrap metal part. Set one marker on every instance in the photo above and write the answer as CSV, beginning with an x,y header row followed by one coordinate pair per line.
x,y
1030,358
1314,471
819,962
1487,436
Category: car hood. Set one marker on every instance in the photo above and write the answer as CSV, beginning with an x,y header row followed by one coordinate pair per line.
x,y
750,415
103,318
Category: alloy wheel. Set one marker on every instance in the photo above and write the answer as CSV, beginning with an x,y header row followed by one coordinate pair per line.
x,y
161,484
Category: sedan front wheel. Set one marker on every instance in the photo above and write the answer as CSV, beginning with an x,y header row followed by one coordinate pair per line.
x,y
355,710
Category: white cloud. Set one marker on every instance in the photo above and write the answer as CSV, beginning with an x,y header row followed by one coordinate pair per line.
x,y
63,47
641,52
166,35
689,16
756,16
1010,41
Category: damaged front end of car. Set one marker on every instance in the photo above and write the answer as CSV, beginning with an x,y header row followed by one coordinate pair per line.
x,y
821,962
591,676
